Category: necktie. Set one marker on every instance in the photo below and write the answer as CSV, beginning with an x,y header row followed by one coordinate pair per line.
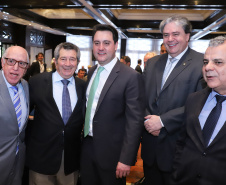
x,y
66,102
90,100
18,109
212,120
167,70
17,105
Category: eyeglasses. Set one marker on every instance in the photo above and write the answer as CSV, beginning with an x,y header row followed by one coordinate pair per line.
x,y
12,62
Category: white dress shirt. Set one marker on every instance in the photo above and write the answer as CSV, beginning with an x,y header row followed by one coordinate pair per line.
x,y
103,78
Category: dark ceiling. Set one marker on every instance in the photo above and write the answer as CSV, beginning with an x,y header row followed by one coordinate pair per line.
x,y
132,18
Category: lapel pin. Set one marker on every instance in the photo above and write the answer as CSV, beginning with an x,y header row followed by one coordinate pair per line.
x,y
184,64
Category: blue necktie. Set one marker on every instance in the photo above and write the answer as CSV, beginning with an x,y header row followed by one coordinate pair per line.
x,y
18,109
212,119
17,105
66,102
90,100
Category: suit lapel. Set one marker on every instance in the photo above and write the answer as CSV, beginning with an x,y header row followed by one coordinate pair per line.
x,y
160,66
113,75
200,102
183,63
4,93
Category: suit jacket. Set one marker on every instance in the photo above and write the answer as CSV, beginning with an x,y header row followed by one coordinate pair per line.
x,y
194,163
48,136
10,135
168,103
138,69
118,120
34,69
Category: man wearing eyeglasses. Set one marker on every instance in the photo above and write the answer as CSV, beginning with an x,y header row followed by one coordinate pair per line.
x,y
14,108
54,138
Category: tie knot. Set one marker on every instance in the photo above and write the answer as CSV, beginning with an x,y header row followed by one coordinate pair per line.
x,y
220,99
15,89
172,60
65,82
100,69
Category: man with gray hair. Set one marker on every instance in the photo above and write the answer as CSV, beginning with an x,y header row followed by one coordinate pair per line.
x,y
169,79
54,137
201,153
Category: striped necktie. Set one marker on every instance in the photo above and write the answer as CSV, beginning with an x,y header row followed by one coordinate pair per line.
x,y
17,105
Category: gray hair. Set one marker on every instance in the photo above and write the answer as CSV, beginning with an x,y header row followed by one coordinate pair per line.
x,y
217,41
179,20
66,46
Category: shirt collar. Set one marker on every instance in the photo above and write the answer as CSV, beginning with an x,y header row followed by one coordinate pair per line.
x,y
58,78
178,57
108,67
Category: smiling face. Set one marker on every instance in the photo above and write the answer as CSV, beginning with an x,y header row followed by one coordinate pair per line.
x,y
66,63
175,39
104,47
214,68
13,74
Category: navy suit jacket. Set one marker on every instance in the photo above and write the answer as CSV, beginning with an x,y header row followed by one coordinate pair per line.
x,y
48,136
193,162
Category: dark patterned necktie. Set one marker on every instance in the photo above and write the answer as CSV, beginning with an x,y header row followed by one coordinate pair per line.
x,y
212,119
66,102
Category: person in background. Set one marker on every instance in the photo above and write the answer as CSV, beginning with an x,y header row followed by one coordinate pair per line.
x,y
163,49
138,68
36,67
201,147
147,56
81,74
114,114
169,79
54,139
14,110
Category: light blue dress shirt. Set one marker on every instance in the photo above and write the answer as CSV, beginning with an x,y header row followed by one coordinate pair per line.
x,y
209,105
58,91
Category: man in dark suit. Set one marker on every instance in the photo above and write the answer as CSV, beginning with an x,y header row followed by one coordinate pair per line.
x,y
53,149
14,109
201,155
138,68
114,114
169,79
36,67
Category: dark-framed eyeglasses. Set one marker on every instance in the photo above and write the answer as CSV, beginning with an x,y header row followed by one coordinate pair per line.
x,y
12,62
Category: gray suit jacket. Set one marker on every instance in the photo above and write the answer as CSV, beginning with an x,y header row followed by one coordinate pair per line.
x,y
118,120
168,103
10,136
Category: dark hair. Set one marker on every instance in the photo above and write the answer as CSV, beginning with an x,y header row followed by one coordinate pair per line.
x,y
66,46
127,59
81,70
105,27
139,61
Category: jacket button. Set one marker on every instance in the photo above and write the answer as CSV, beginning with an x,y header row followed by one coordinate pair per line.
x,y
204,154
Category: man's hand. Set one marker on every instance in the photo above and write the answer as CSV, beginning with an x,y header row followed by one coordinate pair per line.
x,y
153,124
122,170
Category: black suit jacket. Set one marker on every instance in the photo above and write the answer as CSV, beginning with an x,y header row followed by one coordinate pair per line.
x,y
34,69
138,69
193,163
118,120
168,103
48,135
